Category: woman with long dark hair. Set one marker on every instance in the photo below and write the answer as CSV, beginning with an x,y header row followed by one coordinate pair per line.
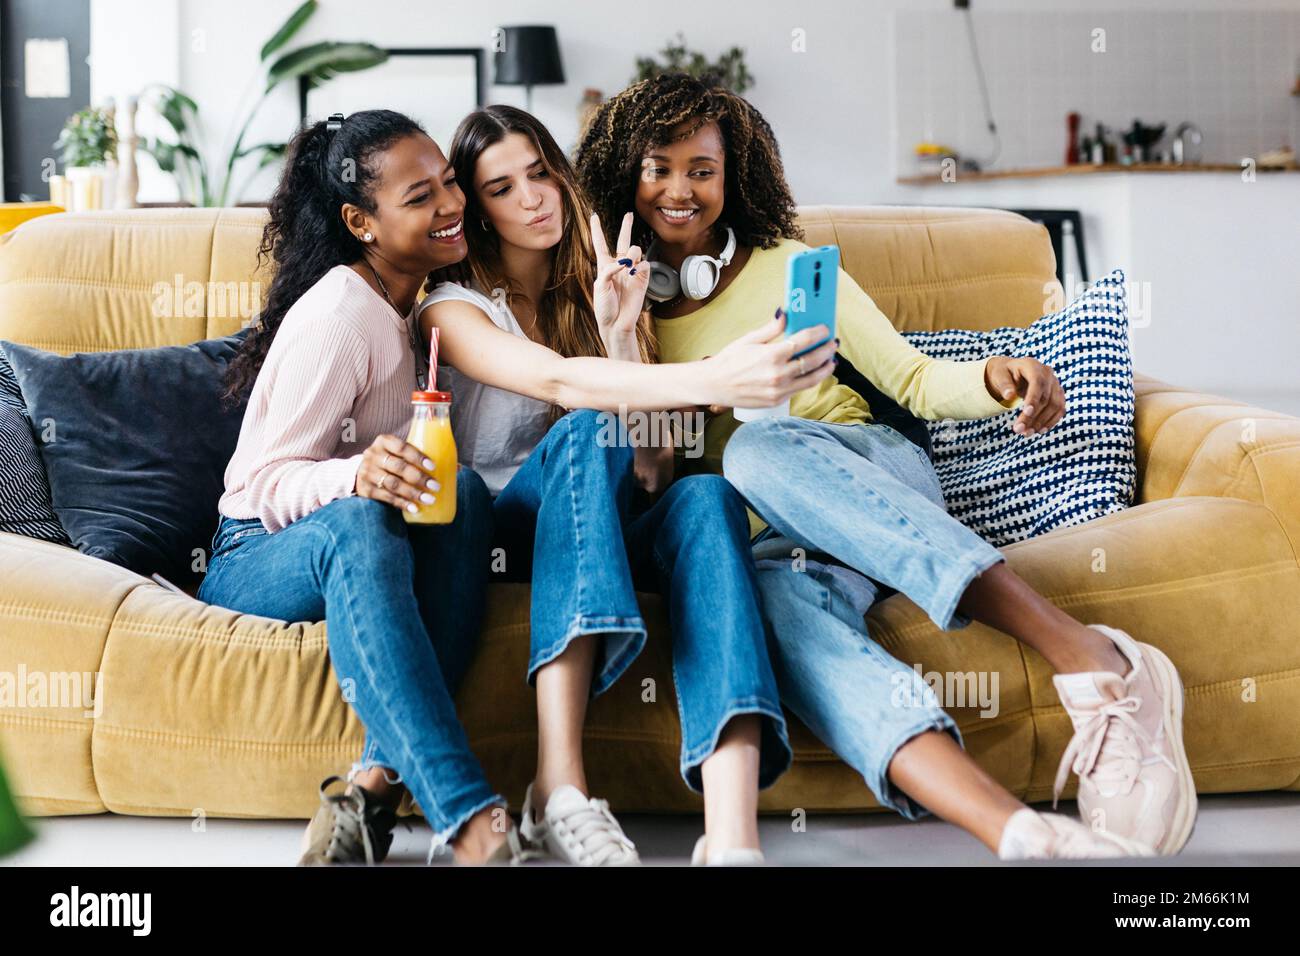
x,y
312,516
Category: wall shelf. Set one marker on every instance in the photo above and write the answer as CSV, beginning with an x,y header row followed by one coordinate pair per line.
x,y
1087,169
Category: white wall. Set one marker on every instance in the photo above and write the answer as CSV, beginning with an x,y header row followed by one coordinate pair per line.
x,y
843,77
134,43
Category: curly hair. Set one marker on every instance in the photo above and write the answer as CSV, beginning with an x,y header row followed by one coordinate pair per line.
x,y
758,205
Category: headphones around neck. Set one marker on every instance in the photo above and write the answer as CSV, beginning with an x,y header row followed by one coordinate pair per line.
x,y
698,276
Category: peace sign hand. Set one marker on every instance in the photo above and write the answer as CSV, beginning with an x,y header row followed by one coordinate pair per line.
x,y
621,281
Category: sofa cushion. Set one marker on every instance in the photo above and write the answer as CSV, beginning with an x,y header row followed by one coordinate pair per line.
x,y
1007,487
24,490
135,448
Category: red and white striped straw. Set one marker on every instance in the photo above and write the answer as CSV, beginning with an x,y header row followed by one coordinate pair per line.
x,y
433,358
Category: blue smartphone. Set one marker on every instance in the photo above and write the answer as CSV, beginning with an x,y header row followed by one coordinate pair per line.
x,y
811,278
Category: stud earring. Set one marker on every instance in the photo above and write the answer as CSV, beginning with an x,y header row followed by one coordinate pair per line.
x,y
367,237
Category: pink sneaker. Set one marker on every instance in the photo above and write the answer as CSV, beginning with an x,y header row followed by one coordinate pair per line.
x,y
1134,778
1030,835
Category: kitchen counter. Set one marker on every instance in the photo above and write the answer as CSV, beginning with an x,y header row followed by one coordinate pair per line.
x,y
1210,255
1087,169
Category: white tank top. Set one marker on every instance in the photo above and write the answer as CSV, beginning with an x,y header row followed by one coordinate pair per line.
x,y
496,430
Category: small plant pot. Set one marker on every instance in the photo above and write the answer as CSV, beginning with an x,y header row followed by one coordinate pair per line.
x,y
89,187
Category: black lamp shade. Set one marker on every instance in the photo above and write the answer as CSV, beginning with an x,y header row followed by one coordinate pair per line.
x,y
530,56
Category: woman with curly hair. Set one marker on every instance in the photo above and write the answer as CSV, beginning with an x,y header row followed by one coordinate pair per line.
x,y
545,349
701,168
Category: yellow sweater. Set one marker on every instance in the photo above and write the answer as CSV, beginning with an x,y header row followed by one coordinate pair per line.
x,y
931,389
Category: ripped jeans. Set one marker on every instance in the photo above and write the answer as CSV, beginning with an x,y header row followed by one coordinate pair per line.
x,y
404,605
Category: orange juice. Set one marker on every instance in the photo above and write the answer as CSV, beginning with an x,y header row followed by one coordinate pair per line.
x,y
431,433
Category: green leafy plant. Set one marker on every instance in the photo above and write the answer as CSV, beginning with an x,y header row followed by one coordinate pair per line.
x,y
317,63
729,68
89,138
14,832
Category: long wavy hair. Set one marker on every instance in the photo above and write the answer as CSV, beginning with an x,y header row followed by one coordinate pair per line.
x,y
758,206
565,315
305,236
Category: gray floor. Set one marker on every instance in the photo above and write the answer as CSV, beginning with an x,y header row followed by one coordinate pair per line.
x,y
1232,829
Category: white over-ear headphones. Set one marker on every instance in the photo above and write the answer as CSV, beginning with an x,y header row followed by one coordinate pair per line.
x,y
698,277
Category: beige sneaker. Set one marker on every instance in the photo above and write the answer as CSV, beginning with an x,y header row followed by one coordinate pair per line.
x,y
349,827
1134,778
1030,835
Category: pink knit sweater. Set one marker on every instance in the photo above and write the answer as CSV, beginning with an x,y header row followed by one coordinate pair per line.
x,y
339,373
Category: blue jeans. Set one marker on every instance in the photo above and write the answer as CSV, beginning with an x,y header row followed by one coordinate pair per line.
x,y
404,605
573,520
866,498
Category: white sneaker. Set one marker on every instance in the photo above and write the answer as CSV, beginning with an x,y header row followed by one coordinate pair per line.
x,y
1030,835
578,830
734,857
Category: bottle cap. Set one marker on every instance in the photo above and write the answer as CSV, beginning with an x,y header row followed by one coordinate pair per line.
x,y
431,396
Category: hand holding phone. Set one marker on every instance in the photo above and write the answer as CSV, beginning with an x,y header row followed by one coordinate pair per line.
x,y
811,281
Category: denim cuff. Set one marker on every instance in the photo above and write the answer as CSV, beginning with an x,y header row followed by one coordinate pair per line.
x,y
614,664
965,569
885,791
771,766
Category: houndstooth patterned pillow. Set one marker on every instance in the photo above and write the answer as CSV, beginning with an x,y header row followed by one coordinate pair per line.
x,y
24,489
1006,487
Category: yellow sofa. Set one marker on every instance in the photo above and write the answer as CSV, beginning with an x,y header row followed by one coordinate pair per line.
x,y
240,716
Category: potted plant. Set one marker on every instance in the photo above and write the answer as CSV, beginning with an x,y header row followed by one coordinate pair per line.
x,y
316,63
88,146
729,68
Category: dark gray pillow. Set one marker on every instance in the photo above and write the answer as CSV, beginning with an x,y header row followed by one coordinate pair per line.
x,y
135,444
24,491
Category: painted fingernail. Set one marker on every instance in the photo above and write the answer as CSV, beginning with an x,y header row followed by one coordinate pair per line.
x,y
1028,409
778,313
625,262
428,463
432,485
632,272
426,498
412,508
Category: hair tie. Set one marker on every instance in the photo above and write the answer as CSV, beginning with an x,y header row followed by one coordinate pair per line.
x,y
334,123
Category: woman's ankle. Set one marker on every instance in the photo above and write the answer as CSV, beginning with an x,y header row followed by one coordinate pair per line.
x,y
1088,651
375,780
481,835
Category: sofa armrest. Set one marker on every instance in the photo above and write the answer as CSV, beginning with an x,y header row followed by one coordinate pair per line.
x,y
1189,443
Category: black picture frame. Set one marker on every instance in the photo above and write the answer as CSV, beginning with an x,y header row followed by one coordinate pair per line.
x,y
480,68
